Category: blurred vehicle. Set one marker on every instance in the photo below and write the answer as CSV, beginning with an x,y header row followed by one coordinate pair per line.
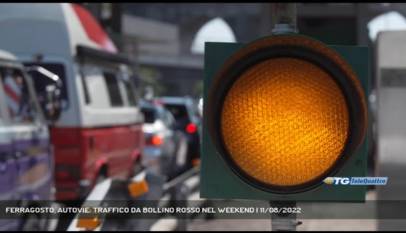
x,y
166,147
26,160
98,132
185,112
200,107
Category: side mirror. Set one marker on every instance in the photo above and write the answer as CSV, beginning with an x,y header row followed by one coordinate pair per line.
x,y
52,105
49,95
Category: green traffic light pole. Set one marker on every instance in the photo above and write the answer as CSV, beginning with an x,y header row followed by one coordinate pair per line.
x,y
283,18
283,21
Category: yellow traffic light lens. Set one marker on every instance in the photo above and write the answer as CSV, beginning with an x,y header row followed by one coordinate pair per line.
x,y
285,121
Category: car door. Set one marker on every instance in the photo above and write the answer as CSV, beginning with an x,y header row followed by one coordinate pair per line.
x,y
168,132
8,164
179,144
30,138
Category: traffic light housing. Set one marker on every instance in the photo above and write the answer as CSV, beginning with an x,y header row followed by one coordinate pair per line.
x,y
280,115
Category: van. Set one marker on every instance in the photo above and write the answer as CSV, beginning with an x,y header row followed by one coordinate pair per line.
x,y
98,132
26,160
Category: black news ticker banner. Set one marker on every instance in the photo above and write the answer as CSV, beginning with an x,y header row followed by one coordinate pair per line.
x,y
225,209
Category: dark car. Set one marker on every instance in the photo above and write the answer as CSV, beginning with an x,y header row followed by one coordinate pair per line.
x,y
184,109
165,147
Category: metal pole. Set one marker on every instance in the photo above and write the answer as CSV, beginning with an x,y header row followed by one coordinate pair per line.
x,y
285,218
283,18
283,21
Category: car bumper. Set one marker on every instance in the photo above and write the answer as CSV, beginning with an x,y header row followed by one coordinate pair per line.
x,y
72,190
156,161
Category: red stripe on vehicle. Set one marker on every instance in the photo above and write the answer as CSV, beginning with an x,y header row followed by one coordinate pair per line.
x,y
10,92
93,29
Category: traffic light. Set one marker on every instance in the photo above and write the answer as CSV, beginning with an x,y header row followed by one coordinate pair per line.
x,y
282,114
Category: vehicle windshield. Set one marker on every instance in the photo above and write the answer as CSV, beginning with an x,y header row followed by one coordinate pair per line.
x,y
178,111
20,105
149,114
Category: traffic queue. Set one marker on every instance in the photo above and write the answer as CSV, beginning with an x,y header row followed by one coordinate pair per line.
x,y
72,116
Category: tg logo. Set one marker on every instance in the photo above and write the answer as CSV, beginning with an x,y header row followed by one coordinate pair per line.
x,y
337,180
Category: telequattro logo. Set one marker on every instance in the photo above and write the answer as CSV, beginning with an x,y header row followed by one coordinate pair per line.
x,y
356,180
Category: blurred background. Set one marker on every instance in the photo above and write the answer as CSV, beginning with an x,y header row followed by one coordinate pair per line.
x,y
168,39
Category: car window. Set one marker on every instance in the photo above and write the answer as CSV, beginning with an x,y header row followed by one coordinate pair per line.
x,y
107,86
169,118
178,111
96,87
163,115
21,107
129,86
132,99
113,89
149,114
40,83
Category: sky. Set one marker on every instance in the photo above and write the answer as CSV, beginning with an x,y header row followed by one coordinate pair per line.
x,y
386,22
216,30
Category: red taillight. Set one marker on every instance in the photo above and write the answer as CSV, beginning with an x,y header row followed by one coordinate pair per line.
x,y
156,140
191,128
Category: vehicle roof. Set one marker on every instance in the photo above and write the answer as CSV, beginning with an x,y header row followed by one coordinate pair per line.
x,y
148,104
53,28
176,100
145,104
158,108
4,55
